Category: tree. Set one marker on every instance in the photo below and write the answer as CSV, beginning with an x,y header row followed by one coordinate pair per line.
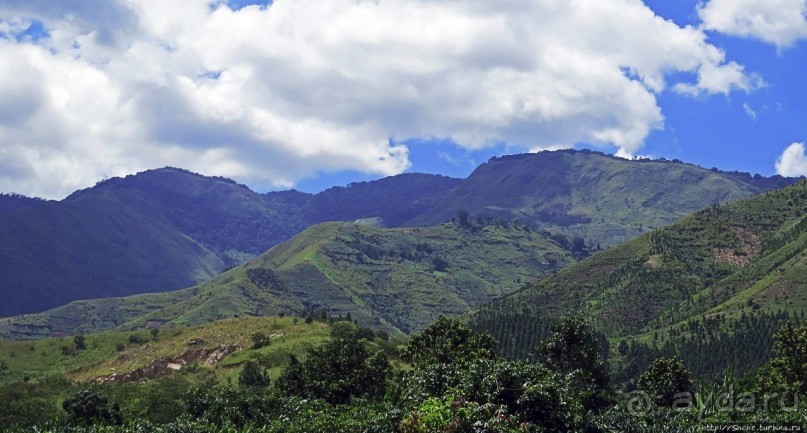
x,y
464,218
88,407
80,342
154,333
573,348
623,348
292,379
440,264
253,376
789,363
259,339
337,371
500,395
663,379
448,340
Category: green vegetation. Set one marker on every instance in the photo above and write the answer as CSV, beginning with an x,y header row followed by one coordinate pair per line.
x,y
347,383
166,229
340,370
446,340
664,380
711,289
253,375
599,198
789,364
397,280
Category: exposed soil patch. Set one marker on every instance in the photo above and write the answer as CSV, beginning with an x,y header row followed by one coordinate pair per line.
x,y
750,247
654,261
164,366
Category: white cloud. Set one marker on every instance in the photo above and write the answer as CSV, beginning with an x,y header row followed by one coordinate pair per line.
x,y
271,95
793,162
779,22
750,112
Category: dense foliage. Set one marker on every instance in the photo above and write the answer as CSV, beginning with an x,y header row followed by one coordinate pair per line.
x,y
338,371
455,384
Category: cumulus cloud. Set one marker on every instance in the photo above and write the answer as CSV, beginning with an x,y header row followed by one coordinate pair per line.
x,y
793,162
779,22
270,95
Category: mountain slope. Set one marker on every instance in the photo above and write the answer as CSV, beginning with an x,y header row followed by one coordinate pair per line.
x,y
51,253
166,229
158,230
393,279
604,199
712,270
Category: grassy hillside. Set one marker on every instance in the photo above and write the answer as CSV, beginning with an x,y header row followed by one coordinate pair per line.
x,y
604,199
393,279
118,352
150,373
716,278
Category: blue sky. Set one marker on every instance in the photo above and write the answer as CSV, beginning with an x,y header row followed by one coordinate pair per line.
x,y
314,93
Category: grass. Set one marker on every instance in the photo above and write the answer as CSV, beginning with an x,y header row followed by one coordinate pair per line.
x,y
103,356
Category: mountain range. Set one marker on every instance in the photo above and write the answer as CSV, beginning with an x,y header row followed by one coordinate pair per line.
x,y
166,229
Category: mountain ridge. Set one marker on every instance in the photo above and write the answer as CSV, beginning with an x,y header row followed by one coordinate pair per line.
x,y
169,228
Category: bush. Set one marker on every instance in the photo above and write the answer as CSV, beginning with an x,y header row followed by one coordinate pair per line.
x,y
27,404
336,372
228,406
252,375
88,407
572,348
502,393
789,355
259,340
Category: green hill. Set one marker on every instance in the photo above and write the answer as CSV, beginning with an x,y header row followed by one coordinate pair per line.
x,y
398,280
720,278
604,199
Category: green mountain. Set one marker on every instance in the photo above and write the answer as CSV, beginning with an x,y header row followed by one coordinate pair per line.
x,y
603,199
167,229
711,288
398,280
163,230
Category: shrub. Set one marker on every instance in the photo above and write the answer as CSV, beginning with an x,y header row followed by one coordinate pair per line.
x,y
88,407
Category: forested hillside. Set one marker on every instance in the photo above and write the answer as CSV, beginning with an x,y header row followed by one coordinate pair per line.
x,y
711,288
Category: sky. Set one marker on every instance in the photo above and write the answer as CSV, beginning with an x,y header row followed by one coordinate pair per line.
x,y
308,94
